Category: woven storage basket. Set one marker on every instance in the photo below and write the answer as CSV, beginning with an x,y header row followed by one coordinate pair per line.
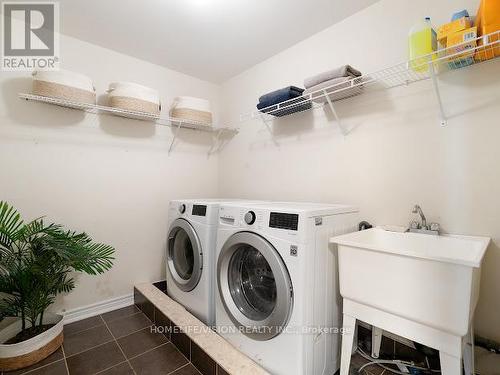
x,y
202,117
133,104
28,352
56,90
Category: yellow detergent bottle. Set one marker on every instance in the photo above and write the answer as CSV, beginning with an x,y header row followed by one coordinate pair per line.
x,y
422,42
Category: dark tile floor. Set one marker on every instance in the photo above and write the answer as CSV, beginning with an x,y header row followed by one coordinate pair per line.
x,y
116,343
122,342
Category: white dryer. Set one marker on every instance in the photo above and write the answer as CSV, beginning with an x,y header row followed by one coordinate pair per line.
x,y
278,298
190,254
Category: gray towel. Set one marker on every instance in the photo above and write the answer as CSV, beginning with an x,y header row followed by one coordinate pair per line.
x,y
332,82
337,83
343,71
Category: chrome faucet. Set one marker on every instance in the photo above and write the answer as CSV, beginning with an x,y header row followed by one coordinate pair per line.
x,y
418,210
422,227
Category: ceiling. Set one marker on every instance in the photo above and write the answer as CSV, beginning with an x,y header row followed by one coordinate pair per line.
x,y
210,39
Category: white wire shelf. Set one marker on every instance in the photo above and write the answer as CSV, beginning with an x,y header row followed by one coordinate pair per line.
x,y
484,48
218,132
94,108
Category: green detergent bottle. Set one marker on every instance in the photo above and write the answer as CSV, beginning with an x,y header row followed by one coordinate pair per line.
x,y
422,42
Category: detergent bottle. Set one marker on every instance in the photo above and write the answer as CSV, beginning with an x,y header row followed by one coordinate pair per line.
x,y
422,41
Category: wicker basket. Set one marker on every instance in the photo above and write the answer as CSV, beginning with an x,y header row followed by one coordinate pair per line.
x,y
133,104
202,117
56,90
31,351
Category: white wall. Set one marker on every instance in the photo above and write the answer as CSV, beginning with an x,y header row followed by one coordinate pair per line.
x,y
396,154
113,178
108,176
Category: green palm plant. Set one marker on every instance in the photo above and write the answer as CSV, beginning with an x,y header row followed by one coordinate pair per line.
x,y
36,264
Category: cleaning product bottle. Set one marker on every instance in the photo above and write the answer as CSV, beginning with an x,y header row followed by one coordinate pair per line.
x,y
422,42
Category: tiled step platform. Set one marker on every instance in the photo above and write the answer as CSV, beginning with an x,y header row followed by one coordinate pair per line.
x,y
207,351
212,355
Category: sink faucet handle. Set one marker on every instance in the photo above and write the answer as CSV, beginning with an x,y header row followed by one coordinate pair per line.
x,y
435,227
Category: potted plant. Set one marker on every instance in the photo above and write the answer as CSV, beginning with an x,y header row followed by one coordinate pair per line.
x,y
36,264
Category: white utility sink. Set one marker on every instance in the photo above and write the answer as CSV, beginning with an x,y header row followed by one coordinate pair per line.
x,y
419,286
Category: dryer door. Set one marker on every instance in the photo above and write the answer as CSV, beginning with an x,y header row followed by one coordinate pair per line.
x,y
184,255
254,286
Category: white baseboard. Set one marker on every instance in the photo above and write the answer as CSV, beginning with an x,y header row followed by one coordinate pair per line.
x,y
98,308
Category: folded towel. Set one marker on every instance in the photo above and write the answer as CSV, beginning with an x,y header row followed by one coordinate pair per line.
x,y
343,71
337,83
280,95
332,86
296,105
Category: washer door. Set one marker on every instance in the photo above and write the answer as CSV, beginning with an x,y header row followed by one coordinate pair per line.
x,y
184,255
254,286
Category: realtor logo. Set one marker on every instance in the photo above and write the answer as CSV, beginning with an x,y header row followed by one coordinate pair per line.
x,y
30,38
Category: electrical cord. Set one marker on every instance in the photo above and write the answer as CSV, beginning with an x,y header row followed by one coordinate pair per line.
x,y
381,362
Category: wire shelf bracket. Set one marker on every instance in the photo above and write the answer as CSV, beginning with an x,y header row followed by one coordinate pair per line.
x,y
335,114
172,142
217,143
268,126
435,85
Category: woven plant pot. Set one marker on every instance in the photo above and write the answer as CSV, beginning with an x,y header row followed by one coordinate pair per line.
x,y
202,117
56,90
133,104
34,350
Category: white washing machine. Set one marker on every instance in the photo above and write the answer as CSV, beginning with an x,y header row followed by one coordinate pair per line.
x,y
278,297
191,255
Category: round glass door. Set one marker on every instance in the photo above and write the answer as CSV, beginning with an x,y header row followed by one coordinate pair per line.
x,y
254,285
184,256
